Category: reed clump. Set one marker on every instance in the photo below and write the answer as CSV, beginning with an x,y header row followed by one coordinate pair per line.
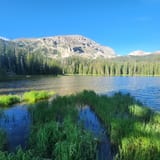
x,y
59,135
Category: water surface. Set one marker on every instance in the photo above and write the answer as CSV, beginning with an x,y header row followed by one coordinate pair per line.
x,y
16,120
93,124
16,123
145,89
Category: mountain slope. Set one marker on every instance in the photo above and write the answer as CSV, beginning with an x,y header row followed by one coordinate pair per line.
x,y
66,46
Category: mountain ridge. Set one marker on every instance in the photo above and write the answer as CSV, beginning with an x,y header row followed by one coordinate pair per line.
x,y
63,46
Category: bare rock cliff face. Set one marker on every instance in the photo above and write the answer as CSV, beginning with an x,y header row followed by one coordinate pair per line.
x,y
66,46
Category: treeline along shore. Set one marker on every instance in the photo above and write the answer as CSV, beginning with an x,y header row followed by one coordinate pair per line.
x,y
36,64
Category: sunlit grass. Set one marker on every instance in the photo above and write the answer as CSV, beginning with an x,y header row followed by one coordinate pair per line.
x,y
139,111
34,96
6,100
30,97
139,148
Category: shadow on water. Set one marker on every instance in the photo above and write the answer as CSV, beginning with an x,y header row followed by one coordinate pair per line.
x,y
93,124
16,123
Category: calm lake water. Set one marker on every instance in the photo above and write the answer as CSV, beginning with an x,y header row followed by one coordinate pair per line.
x,y
16,123
145,89
16,120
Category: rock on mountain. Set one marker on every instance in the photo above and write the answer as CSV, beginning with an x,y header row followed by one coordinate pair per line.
x,y
65,46
139,53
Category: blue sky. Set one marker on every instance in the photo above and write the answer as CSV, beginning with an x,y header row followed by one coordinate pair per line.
x,y
124,25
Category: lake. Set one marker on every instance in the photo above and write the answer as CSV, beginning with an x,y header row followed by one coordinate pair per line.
x,y
16,120
145,89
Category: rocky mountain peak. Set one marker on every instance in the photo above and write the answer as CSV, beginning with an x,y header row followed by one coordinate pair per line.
x,y
66,46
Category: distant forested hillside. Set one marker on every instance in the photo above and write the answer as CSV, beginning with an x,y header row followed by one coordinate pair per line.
x,y
14,60
19,61
120,66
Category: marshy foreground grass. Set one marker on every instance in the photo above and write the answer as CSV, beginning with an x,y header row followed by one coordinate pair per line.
x,y
134,130
29,97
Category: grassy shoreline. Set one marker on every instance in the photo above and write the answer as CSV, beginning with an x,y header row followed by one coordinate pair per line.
x,y
134,130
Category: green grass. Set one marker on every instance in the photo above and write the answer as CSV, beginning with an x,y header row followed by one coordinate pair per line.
x,y
58,135
34,96
6,100
134,130
19,155
3,140
29,97
63,141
